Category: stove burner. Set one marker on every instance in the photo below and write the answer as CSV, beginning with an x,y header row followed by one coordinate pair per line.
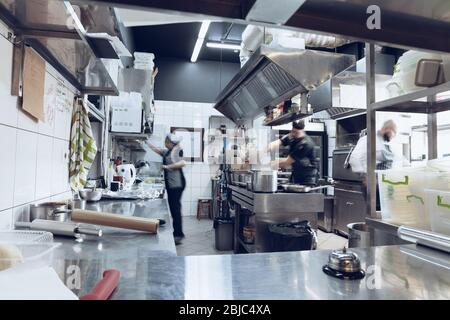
x,y
344,275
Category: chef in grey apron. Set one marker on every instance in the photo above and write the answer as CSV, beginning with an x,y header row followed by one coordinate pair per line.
x,y
175,181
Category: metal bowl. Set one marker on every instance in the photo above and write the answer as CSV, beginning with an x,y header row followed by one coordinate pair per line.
x,y
91,195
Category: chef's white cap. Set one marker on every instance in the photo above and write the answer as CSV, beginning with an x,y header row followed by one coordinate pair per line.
x,y
173,138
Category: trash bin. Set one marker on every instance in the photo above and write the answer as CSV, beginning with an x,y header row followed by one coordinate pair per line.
x,y
224,229
297,236
359,235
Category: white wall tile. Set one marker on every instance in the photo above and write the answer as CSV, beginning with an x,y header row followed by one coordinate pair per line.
x,y
6,219
8,103
186,208
47,127
7,162
25,170
193,208
60,165
26,121
44,167
62,197
21,213
206,179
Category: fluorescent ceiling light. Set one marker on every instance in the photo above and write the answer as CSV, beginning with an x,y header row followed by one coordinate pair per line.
x,y
201,38
223,45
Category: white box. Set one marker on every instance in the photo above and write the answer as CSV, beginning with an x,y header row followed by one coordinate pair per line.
x,y
125,119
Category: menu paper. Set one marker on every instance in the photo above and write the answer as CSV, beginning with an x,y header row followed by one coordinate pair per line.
x,y
33,84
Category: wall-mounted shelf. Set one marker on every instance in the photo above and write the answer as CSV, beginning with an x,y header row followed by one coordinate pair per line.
x,y
130,136
58,32
286,118
132,141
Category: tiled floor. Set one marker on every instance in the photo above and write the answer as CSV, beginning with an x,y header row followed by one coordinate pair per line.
x,y
200,239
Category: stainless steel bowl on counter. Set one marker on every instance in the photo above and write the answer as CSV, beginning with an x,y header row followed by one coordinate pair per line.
x,y
91,195
57,211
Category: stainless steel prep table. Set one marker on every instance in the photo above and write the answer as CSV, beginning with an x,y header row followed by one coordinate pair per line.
x,y
402,272
128,251
150,268
271,208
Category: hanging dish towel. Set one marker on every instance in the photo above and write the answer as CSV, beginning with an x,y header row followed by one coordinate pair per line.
x,y
82,146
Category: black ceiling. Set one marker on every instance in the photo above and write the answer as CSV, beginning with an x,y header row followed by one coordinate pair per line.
x,y
178,40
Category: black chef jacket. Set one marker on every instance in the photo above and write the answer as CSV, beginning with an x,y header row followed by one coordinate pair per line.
x,y
305,166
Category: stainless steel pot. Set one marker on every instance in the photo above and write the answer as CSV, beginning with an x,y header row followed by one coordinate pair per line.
x,y
264,181
49,211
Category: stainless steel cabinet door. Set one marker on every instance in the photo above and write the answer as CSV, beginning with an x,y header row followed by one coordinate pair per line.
x,y
349,207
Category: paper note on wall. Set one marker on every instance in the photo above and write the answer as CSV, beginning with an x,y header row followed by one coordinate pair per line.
x,y
33,84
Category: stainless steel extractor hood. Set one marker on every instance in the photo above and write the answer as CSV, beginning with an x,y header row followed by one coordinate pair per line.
x,y
275,74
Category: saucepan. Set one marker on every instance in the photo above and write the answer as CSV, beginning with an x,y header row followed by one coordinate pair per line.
x,y
57,211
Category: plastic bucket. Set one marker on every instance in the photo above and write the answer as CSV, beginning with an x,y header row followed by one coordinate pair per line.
x,y
403,197
439,209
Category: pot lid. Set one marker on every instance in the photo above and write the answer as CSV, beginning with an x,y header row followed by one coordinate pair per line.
x,y
344,261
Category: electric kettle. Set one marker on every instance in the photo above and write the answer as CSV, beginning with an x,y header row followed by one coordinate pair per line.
x,y
128,172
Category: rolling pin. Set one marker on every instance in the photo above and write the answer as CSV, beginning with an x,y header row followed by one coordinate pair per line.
x,y
115,220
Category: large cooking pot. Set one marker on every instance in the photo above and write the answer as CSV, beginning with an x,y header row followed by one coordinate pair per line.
x,y
57,211
264,181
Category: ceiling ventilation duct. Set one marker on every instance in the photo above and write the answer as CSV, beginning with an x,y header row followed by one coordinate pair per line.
x,y
275,74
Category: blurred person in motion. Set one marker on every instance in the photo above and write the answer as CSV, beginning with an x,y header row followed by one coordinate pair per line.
x,y
384,155
175,181
303,155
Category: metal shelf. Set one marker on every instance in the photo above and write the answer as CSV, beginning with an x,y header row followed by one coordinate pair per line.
x,y
407,103
385,226
58,33
286,118
129,136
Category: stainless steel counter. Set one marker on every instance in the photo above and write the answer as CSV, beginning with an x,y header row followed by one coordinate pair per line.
x,y
150,268
126,250
393,272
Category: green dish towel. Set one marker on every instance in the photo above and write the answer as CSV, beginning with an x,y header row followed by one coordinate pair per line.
x,y
83,148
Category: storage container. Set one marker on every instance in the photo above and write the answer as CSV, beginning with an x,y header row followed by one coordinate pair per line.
x,y
403,198
33,254
24,236
439,209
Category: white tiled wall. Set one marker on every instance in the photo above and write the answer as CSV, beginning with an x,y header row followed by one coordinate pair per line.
x,y
34,155
186,114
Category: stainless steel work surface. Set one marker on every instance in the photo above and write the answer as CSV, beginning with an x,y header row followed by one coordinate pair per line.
x,y
117,241
128,251
401,273
393,272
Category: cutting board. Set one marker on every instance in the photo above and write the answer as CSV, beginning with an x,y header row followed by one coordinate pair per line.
x,y
33,84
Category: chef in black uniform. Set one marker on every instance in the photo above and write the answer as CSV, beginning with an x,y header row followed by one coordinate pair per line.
x,y
302,155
